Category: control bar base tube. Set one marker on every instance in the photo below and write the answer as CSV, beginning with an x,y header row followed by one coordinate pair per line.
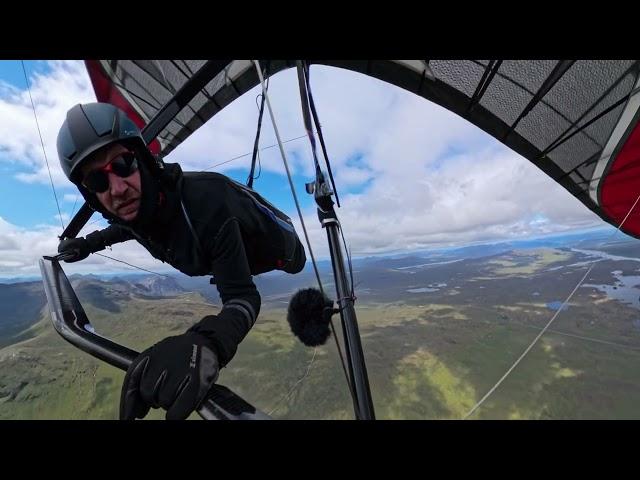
x,y
71,322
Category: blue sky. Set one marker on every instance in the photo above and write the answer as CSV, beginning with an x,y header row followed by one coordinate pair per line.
x,y
410,174
36,203
11,71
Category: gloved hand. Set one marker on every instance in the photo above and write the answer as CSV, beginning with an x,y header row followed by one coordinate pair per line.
x,y
81,247
78,247
175,374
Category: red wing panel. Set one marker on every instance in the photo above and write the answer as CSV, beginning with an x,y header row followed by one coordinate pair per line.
x,y
620,188
107,92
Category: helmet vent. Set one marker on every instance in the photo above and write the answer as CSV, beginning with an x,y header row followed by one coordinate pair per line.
x,y
102,123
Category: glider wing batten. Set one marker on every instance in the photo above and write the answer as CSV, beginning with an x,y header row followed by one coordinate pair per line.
x,y
560,116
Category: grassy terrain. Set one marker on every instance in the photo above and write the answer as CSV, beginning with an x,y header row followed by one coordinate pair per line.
x,y
429,355
526,262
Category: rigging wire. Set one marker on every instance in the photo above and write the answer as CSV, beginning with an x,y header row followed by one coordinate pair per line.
x,y
249,153
295,198
314,113
280,143
309,112
100,219
286,165
33,106
74,205
286,397
227,161
51,178
134,266
256,142
535,340
256,151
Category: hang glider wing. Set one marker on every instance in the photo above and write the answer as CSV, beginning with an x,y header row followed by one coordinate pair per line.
x,y
575,120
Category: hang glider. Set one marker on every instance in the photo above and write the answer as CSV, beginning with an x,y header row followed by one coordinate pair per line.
x,y
575,120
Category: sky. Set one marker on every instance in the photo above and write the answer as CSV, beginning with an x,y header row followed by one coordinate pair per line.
x,y
410,174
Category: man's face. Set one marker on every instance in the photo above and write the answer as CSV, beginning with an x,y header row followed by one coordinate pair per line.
x,y
122,198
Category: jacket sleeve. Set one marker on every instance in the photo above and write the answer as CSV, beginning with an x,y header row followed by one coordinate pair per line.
x,y
239,295
101,239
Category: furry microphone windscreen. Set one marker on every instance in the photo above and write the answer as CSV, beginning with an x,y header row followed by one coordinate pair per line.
x,y
309,315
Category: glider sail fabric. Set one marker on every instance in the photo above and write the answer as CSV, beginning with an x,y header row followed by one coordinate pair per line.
x,y
575,120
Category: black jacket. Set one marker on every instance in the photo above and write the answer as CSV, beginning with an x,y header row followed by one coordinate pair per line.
x,y
211,225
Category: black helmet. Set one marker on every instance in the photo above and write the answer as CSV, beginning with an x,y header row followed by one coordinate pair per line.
x,y
91,126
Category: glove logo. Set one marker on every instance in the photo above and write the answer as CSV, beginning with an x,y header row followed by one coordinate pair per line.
x,y
194,356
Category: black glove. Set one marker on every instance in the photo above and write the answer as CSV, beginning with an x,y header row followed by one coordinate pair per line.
x,y
81,247
78,247
175,374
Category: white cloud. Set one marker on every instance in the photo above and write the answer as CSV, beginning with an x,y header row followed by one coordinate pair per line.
x,y
8,243
435,179
53,94
21,249
426,176
65,217
232,132
491,194
72,197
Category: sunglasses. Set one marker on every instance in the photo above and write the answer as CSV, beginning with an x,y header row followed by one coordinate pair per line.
x,y
97,181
